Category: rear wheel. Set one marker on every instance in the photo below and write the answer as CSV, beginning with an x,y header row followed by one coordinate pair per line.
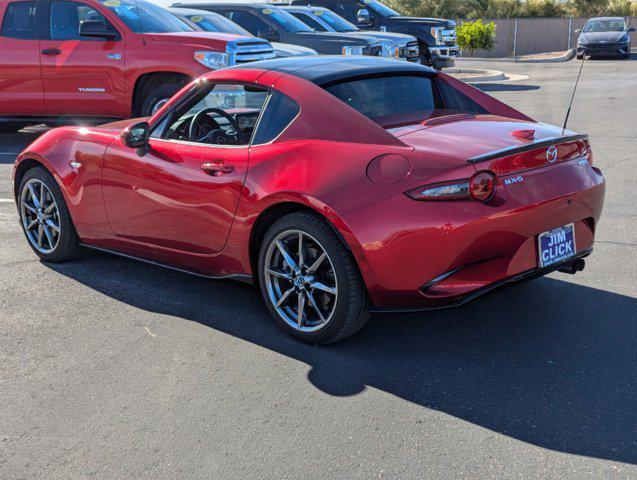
x,y
309,280
45,219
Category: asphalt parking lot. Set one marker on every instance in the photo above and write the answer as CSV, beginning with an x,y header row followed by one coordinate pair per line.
x,y
111,368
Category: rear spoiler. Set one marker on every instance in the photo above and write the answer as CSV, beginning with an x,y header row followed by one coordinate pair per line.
x,y
543,142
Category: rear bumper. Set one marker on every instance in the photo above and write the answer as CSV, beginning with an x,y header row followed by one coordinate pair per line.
x,y
462,299
407,246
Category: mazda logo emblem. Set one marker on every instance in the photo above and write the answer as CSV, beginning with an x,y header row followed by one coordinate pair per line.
x,y
551,154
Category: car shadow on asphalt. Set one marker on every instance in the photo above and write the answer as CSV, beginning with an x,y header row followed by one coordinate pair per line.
x,y
547,362
505,87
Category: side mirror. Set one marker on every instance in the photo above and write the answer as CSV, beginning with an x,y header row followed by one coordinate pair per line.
x,y
631,29
137,136
96,29
363,17
578,30
270,35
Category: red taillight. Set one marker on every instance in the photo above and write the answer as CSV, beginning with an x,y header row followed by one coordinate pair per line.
x,y
482,186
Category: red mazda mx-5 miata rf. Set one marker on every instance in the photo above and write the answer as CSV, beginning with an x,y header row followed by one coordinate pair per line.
x,y
338,185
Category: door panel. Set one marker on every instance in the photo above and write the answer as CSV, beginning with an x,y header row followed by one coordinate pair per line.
x,y
81,76
21,88
166,199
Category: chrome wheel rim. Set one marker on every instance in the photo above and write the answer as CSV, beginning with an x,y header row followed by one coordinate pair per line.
x,y
301,281
158,105
40,216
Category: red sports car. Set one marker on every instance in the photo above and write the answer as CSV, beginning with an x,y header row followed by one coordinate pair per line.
x,y
339,185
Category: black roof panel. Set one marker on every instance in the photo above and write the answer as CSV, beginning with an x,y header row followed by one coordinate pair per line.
x,y
322,69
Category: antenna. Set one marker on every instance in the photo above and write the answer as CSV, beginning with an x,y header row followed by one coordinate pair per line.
x,y
568,112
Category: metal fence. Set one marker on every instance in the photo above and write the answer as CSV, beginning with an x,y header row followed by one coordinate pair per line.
x,y
524,36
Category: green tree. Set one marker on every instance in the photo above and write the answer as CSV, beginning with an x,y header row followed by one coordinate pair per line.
x,y
619,8
476,35
588,8
543,8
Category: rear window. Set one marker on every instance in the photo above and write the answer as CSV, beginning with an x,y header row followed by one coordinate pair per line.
x,y
390,101
19,21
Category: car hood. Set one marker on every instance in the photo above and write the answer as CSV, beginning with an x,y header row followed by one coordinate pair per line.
x,y
214,40
463,136
289,50
343,38
599,37
439,22
386,37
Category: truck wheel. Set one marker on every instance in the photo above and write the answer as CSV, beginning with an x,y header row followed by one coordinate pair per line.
x,y
309,280
156,95
45,219
425,57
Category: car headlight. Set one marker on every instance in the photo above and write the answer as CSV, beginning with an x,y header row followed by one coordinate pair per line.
x,y
353,50
624,39
213,60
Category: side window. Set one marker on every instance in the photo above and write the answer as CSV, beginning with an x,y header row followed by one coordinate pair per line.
x,y
221,114
309,21
456,100
248,20
280,112
66,17
19,21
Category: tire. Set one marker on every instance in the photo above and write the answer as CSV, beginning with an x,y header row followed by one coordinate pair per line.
x,y
155,95
65,241
425,56
327,317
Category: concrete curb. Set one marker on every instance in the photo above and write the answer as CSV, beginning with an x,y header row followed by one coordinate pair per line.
x,y
488,75
565,57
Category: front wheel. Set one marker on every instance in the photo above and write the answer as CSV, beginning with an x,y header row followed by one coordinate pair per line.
x,y
310,281
45,219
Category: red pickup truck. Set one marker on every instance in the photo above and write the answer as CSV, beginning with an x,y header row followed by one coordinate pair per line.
x,y
102,59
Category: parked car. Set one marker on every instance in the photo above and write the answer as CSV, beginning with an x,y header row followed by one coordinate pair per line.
x,y
436,36
213,22
276,25
604,36
395,45
338,187
67,60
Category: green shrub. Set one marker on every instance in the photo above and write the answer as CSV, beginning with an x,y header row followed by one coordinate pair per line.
x,y
476,35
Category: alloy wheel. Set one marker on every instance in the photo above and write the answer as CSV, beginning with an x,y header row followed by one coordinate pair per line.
x,y
40,216
301,281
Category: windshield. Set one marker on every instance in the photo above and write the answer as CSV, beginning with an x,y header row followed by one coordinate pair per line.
x,y
144,17
333,20
213,22
390,101
380,8
288,22
616,25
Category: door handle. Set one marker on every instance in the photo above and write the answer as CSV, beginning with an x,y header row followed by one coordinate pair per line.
x,y
51,51
217,168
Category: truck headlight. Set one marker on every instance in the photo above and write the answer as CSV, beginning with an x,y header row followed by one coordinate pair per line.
x,y
213,60
353,50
